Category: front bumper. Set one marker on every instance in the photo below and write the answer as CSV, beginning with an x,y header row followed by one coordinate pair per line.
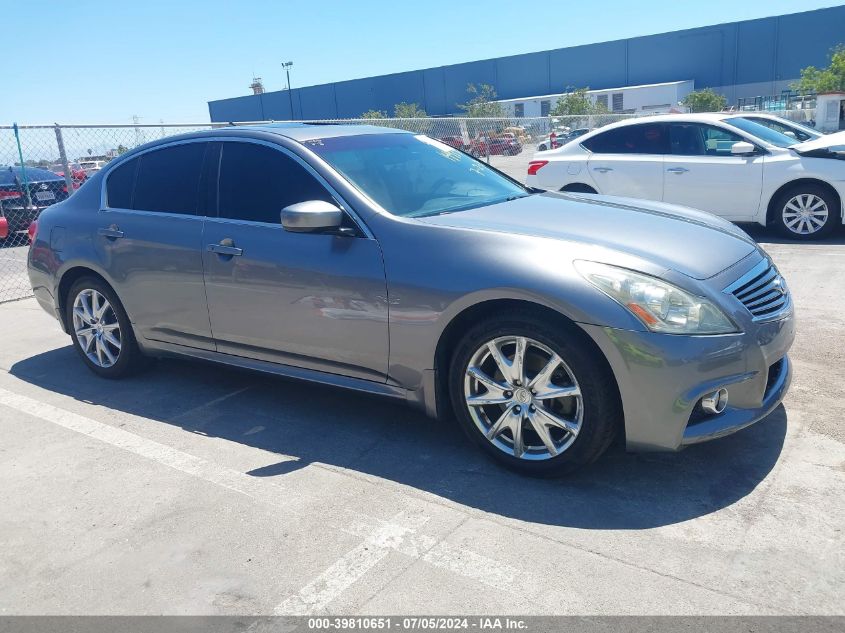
x,y
662,377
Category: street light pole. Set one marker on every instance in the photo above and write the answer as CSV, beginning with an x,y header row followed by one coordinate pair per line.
x,y
286,66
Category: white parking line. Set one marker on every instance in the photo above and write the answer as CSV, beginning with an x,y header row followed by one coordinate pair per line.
x,y
348,569
227,478
400,534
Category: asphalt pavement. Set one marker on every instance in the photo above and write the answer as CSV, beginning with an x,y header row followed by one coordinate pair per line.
x,y
197,489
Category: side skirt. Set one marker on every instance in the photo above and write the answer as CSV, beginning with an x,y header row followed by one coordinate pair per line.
x,y
158,348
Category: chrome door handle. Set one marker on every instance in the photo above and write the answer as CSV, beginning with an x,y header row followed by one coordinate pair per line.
x,y
111,232
603,170
678,170
226,247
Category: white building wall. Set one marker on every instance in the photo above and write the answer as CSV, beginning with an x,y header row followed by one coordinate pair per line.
x,y
650,98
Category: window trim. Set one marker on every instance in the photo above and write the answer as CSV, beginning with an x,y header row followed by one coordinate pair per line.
x,y
344,205
118,162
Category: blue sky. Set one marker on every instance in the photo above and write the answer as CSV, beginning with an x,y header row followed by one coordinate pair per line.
x,y
85,61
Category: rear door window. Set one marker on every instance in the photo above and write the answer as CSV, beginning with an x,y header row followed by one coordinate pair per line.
x,y
647,138
257,182
168,179
120,184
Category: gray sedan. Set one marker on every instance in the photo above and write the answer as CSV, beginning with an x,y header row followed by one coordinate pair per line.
x,y
545,324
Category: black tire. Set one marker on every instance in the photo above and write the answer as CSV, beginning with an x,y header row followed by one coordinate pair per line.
x,y
809,191
578,188
129,358
542,147
601,413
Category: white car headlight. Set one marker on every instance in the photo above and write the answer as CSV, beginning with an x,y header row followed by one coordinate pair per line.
x,y
661,306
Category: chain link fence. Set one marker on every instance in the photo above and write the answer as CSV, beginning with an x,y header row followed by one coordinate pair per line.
x,y
41,165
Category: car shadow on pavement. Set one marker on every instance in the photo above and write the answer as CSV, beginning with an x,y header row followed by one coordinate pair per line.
x,y
385,439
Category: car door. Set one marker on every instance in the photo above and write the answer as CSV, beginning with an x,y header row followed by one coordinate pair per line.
x,y
628,160
701,172
149,241
313,300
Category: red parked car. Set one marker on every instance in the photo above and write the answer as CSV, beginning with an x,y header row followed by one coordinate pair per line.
x,y
77,174
454,141
505,146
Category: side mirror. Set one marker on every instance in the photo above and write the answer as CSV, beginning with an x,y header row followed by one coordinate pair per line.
x,y
743,148
312,215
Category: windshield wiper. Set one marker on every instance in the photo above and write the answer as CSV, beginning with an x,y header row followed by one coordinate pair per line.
x,y
474,205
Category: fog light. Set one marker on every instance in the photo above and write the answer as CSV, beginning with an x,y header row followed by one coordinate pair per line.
x,y
714,403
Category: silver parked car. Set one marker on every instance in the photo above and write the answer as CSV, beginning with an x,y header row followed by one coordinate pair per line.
x,y
391,263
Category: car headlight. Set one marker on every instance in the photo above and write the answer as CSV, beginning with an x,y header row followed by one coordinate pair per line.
x,y
661,306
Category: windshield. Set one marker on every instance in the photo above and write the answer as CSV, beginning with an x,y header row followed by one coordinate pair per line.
x,y
772,137
801,131
415,176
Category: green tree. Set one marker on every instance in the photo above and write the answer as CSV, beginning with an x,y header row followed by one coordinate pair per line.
x,y
705,100
408,111
483,103
374,114
576,102
122,149
830,79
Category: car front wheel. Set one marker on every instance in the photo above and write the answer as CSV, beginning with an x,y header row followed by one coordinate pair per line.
x,y
806,212
533,396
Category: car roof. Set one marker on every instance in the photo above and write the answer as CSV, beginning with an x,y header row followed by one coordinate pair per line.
x,y
33,174
309,131
300,132
697,117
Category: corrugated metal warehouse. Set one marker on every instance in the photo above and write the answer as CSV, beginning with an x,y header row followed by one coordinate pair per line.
x,y
739,59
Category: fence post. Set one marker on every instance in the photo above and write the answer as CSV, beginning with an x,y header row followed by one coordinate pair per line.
x,y
27,193
63,158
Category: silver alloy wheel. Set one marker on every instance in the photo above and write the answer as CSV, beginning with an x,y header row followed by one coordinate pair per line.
x,y
805,214
523,397
96,327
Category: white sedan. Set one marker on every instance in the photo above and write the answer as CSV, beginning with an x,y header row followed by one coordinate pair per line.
x,y
722,163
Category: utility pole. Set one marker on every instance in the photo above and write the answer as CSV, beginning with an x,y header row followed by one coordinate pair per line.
x,y
286,66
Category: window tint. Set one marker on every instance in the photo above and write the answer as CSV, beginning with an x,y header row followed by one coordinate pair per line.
x,y
257,182
168,179
649,138
699,139
120,184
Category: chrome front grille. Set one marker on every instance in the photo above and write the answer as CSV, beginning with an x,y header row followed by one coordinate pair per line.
x,y
762,291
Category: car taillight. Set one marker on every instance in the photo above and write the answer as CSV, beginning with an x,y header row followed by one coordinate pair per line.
x,y
4,228
9,194
535,165
64,188
32,230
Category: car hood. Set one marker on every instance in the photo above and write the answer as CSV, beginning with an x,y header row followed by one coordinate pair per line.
x,y
694,243
828,143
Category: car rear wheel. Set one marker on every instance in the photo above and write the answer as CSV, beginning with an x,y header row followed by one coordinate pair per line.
x,y
101,331
533,396
806,212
